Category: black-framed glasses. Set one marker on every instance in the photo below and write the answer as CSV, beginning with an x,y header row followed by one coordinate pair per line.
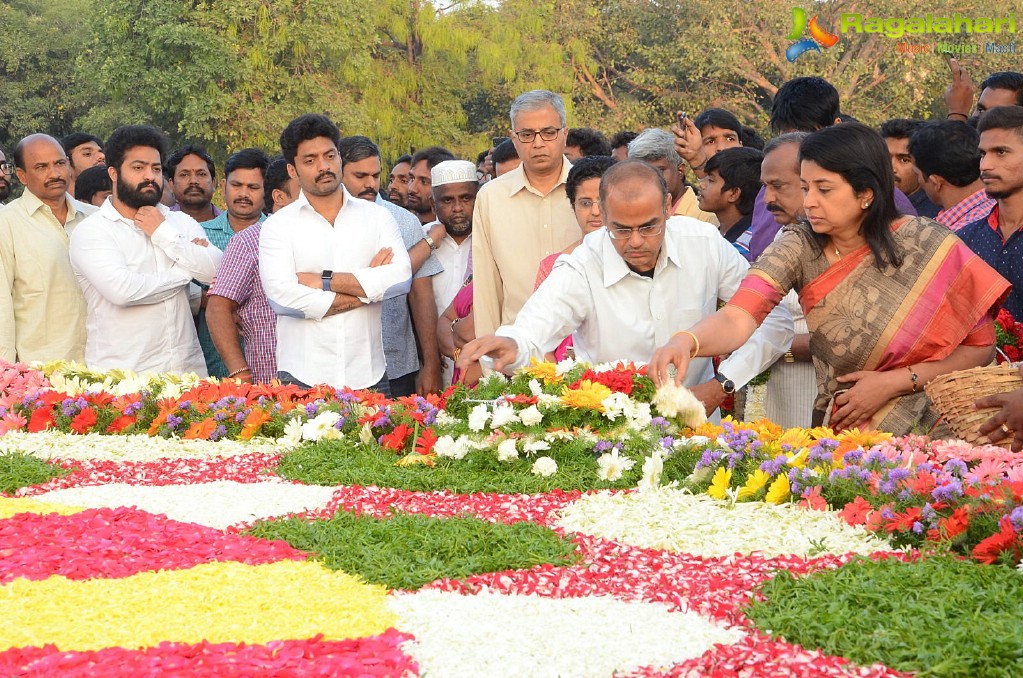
x,y
6,167
644,231
527,136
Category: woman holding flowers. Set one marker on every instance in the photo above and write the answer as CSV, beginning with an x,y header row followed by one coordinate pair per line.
x,y
891,301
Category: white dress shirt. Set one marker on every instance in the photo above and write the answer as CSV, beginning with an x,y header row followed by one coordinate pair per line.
x,y
457,262
345,349
615,314
136,290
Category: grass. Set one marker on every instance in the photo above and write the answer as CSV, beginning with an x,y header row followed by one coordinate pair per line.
x,y
18,469
937,617
407,551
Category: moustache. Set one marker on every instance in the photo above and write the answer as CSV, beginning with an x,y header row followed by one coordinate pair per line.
x,y
152,184
325,174
55,182
368,195
986,175
773,207
242,201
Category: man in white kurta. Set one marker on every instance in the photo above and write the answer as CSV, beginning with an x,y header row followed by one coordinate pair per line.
x,y
134,260
622,297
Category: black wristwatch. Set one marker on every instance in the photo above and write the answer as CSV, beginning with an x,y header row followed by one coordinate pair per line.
x,y
325,277
727,385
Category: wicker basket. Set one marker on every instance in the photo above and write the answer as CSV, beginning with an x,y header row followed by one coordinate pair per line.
x,y
953,395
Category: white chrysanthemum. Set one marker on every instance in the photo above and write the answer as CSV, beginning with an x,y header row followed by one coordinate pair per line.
x,y
639,416
506,450
531,416
292,432
535,388
479,417
564,367
679,403
445,419
446,446
611,466
652,469
502,416
534,446
366,434
615,405
545,467
548,401
695,441
321,427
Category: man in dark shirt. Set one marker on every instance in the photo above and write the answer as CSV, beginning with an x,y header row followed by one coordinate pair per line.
x,y
896,133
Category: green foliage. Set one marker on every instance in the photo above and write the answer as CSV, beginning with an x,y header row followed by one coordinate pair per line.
x,y
18,469
936,617
407,551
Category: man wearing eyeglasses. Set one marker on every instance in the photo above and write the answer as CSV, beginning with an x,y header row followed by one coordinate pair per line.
x,y
642,278
523,216
6,170
42,310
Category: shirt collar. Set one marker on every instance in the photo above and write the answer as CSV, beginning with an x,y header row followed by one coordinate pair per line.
x,y
303,202
33,204
110,212
517,177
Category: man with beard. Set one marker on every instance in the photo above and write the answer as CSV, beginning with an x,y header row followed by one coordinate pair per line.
x,y
42,312
192,176
420,193
6,172
83,151
326,261
134,260
360,174
454,194
398,181
243,194
996,238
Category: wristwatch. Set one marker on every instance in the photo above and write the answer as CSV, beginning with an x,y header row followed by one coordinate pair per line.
x,y
325,277
727,385
430,241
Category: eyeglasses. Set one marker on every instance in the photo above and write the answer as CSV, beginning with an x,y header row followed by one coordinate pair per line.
x,y
6,167
644,231
527,136
585,204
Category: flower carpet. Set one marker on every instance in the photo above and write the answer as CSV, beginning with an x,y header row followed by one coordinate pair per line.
x,y
567,522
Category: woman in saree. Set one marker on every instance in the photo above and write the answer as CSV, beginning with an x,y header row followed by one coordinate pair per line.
x,y
455,329
891,301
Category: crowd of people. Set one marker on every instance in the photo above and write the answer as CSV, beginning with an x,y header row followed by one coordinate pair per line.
x,y
856,264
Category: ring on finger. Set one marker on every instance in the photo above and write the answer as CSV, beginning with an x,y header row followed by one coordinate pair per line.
x,y
1006,430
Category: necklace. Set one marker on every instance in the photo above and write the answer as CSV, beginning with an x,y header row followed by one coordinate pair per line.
x,y
837,253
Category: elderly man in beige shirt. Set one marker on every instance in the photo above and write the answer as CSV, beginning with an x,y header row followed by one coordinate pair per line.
x,y
524,215
42,310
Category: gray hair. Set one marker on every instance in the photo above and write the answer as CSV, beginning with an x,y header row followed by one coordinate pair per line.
x,y
537,99
782,139
654,144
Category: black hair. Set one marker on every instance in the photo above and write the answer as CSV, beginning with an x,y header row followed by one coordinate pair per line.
x,y
947,148
751,139
631,169
804,104
304,128
1010,80
718,117
247,158
127,137
588,141
899,128
623,138
91,181
433,155
356,148
1002,117
738,168
481,156
504,152
590,167
185,151
76,139
276,178
859,155
405,158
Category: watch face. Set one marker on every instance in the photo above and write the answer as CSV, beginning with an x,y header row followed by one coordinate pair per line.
x,y
728,385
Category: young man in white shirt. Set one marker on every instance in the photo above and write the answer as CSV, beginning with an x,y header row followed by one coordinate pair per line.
x,y
326,261
632,285
134,260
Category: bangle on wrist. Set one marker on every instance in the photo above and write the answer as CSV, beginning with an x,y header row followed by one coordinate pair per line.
x,y
240,370
453,323
696,343
962,115
913,376
455,355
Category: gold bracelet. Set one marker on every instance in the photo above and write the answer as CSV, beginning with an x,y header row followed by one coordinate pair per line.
x,y
913,375
788,357
239,371
696,343
457,353
453,323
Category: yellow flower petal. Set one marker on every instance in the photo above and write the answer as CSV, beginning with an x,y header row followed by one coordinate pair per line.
x,y
754,484
218,602
721,482
779,490
10,507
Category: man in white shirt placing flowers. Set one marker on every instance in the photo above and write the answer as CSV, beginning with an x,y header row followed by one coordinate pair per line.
x,y
632,285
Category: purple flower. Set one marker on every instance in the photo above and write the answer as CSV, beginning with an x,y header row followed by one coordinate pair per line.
x,y
1016,518
819,454
709,458
956,466
666,442
887,513
659,423
219,432
174,421
602,446
185,404
219,416
773,466
951,490
240,417
311,409
339,424
918,527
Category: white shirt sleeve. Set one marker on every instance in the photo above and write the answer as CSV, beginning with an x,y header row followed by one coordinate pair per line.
x,y
769,342
555,310
389,280
174,237
96,256
277,271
